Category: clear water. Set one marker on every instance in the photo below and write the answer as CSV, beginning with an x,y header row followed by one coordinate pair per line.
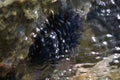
x,y
96,57
99,43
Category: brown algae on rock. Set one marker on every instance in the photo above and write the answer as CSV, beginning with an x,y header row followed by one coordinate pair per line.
x,y
15,34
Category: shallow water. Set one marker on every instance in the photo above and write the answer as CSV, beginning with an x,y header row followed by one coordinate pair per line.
x,y
100,39
96,56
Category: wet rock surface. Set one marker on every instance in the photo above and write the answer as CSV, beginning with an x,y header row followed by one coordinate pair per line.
x,y
15,30
100,71
96,56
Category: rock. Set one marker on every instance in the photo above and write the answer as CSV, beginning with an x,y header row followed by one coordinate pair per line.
x,y
100,70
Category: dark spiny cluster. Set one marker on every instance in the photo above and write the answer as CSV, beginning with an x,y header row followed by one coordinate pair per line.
x,y
57,37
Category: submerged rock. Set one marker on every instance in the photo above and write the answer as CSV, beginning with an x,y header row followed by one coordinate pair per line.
x,y
99,71
106,13
55,26
15,28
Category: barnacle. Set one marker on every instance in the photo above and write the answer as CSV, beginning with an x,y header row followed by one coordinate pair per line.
x,y
58,35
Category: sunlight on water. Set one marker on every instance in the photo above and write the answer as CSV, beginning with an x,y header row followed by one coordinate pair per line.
x,y
96,55
99,48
